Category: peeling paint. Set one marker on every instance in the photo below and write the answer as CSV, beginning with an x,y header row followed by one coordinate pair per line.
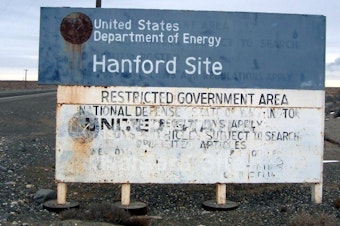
x,y
166,143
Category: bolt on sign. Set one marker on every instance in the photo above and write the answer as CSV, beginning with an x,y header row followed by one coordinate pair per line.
x,y
165,96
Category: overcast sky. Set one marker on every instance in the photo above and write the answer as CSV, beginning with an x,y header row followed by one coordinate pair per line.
x,y
20,19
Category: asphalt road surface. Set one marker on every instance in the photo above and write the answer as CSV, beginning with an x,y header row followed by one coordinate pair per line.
x,y
28,114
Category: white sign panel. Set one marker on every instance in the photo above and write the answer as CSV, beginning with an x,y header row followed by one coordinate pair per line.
x,y
189,135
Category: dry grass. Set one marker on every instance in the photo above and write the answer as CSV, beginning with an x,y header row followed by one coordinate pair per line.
x,y
21,85
108,213
320,219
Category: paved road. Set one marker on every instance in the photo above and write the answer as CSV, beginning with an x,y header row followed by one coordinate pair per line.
x,y
28,115
12,93
14,96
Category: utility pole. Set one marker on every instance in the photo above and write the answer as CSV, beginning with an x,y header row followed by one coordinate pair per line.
x,y
98,3
26,78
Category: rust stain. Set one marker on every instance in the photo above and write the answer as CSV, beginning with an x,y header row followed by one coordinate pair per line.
x,y
72,94
81,157
83,128
76,54
76,28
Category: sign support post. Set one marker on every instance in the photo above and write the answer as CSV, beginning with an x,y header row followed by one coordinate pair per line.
x,y
220,202
61,193
134,207
126,192
317,193
221,190
60,203
98,3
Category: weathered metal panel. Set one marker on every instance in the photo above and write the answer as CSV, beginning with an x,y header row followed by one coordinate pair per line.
x,y
194,97
167,48
189,96
189,135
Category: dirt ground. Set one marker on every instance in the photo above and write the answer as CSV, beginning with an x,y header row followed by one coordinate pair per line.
x,y
22,85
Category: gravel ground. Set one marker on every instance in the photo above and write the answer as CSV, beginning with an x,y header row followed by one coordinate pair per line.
x,y
27,149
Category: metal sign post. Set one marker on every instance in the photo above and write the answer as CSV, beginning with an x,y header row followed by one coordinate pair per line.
x,y
98,3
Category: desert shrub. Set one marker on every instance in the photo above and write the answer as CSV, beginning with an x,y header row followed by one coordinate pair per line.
x,y
318,219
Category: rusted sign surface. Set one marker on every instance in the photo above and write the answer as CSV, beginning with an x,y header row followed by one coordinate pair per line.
x,y
171,135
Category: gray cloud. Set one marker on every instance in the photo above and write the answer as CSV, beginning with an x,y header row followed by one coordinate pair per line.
x,y
333,66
